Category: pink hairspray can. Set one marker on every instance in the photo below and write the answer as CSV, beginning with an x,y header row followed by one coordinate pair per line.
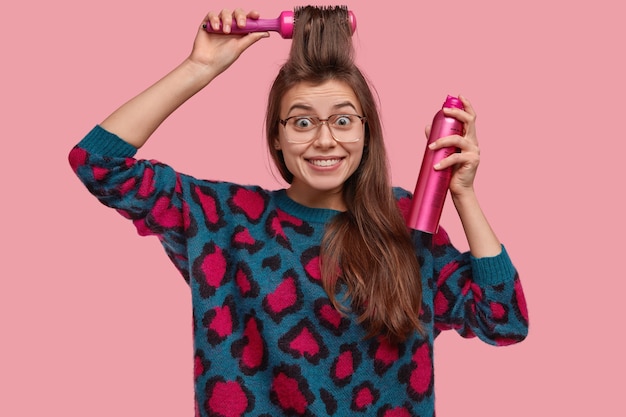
x,y
432,186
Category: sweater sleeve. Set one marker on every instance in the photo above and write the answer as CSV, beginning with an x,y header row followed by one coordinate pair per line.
x,y
146,192
478,296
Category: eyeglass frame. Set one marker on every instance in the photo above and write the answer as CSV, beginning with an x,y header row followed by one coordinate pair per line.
x,y
321,122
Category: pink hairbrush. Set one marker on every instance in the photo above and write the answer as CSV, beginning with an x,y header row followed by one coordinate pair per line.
x,y
283,24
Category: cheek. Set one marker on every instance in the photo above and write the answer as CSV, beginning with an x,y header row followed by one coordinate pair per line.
x,y
290,158
358,158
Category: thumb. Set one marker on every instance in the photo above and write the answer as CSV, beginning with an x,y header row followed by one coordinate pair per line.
x,y
252,38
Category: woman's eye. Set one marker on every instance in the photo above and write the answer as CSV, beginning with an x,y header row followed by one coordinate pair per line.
x,y
303,123
343,121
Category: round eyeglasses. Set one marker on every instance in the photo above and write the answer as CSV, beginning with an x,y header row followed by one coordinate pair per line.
x,y
304,129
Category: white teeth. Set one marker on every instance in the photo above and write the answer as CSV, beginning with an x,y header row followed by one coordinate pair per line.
x,y
324,162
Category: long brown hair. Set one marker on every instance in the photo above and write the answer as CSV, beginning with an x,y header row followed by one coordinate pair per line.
x,y
367,247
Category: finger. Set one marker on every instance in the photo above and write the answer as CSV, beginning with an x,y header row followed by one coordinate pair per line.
x,y
252,38
254,14
212,19
427,130
239,16
463,159
448,161
226,16
467,105
470,122
459,114
467,117
455,141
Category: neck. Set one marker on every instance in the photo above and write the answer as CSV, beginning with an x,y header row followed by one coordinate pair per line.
x,y
332,199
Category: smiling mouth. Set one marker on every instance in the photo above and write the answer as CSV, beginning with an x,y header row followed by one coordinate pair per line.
x,y
325,162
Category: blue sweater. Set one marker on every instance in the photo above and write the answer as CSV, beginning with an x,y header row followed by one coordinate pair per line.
x,y
267,340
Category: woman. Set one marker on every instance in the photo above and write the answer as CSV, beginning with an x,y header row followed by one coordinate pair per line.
x,y
316,299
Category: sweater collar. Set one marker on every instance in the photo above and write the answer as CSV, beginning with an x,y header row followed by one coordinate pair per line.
x,y
308,214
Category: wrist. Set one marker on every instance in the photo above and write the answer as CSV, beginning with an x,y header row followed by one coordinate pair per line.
x,y
197,73
465,194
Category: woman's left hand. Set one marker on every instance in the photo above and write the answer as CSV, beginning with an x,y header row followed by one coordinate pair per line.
x,y
464,163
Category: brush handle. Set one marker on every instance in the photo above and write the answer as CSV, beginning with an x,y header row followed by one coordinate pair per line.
x,y
283,24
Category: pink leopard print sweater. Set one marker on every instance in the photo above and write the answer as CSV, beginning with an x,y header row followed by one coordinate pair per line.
x,y
267,340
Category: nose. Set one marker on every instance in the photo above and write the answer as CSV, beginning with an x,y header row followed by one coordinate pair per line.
x,y
324,136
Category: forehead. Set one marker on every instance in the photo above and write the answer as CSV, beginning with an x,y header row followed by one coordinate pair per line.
x,y
320,98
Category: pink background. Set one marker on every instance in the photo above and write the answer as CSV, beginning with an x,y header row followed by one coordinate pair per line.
x,y
96,321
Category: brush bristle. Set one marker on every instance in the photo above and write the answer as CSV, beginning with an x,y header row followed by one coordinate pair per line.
x,y
321,12
298,9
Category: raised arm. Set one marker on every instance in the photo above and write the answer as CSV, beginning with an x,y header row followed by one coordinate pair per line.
x,y
137,119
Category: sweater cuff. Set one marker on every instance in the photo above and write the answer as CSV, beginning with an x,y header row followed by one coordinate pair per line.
x,y
493,270
102,142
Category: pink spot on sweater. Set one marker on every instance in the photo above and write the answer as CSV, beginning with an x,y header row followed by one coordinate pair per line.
x,y
404,204
147,183
397,412
228,399
446,272
127,186
244,237
142,228
363,398
441,237
209,206
222,323
313,268
250,202
345,365
253,352
198,367
77,158
243,282
277,229
214,267
283,297
497,310
330,315
476,291
305,343
288,394
422,375
386,352
441,304
99,173
165,214
288,218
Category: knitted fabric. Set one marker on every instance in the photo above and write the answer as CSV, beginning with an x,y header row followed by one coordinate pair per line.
x,y
267,340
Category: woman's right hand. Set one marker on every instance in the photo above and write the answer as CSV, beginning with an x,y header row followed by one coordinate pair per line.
x,y
218,51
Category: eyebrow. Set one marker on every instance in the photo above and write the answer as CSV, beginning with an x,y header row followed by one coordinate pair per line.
x,y
307,107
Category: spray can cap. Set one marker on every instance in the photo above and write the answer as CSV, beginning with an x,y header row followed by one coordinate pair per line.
x,y
453,102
